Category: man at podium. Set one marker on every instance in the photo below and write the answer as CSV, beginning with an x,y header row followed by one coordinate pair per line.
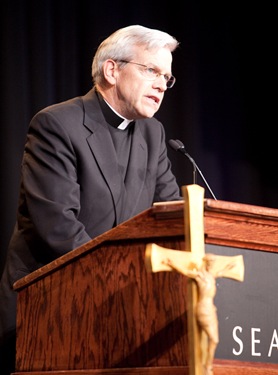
x,y
91,162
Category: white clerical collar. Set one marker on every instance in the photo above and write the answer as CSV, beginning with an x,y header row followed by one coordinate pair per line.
x,y
123,125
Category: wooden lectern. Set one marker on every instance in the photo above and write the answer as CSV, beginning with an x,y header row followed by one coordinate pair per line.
x,y
97,311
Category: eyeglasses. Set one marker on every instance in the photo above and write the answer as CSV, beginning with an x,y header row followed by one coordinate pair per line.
x,y
152,73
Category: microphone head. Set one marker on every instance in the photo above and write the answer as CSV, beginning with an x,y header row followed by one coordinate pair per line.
x,y
180,143
173,144
177,145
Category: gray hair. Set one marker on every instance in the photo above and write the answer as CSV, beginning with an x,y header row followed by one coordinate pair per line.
x,y
120,44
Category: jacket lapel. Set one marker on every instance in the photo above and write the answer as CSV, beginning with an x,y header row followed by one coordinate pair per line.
x,y
101,145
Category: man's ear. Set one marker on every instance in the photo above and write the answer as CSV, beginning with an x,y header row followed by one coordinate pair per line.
x,y
110,71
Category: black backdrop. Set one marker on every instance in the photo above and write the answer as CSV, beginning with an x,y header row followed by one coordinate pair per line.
x,y
222,106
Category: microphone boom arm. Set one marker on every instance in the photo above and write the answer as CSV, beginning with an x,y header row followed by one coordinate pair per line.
x,y
179,146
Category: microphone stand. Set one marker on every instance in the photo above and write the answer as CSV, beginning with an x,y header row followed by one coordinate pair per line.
x,y
179,146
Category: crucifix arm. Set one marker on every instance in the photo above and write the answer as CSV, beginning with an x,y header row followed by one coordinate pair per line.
x,y
192,273
228,267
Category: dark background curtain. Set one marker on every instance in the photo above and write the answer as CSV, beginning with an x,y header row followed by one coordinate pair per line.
x,y
222,106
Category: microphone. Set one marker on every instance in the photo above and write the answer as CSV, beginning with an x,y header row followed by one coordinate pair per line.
x,y
179,146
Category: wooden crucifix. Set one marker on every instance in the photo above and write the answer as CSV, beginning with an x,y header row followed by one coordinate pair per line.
x,y
202,270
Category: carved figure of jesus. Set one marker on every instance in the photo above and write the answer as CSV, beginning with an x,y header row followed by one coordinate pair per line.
x,y
206,312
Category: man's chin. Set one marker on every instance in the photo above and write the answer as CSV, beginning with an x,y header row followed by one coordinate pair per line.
x,y
149,114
